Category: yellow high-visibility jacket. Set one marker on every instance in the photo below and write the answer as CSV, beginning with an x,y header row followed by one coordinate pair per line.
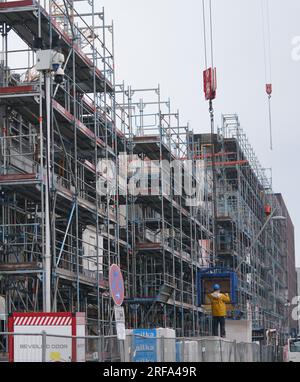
x,y
218,303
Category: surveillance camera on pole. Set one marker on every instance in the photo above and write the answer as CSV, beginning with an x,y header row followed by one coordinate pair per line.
x,y
59,76
51,61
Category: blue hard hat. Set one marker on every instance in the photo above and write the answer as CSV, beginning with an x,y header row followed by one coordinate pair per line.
x,y
217,287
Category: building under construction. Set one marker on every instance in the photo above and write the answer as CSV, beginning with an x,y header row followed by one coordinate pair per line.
x,y
170,227
68,212
251,229
60,223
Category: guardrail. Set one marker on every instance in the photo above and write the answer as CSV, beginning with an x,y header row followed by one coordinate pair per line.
x,y
208,349
45,347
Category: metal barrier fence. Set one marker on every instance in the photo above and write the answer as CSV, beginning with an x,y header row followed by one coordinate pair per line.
x,y
45,347
210,349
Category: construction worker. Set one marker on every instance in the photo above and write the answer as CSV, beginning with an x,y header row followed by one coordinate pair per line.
x,y
219,312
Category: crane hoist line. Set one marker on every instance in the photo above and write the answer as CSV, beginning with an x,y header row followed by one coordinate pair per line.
x,y
266,26
210,90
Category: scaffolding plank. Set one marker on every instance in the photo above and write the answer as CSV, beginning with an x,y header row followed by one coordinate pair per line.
x,y
15,267
16,4
17,178
62,111
230,164
11,90
149,246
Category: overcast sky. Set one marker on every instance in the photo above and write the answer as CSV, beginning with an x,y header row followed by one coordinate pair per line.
x,y
161,41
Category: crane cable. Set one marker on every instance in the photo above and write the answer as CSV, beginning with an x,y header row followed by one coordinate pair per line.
x,y
212,121
206,43
265,9
211,35
204,33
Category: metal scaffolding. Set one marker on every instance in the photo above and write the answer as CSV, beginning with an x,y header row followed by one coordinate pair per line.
x,y
86,134
93,176
244,191
170,236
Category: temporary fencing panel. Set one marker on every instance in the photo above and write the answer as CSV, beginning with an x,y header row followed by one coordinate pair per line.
x,y
46,337
151,345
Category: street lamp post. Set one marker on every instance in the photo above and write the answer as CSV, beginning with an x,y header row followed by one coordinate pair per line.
x,y
272,217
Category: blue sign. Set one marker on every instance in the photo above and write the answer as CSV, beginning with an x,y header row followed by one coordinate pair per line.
x,y
178,351
144,345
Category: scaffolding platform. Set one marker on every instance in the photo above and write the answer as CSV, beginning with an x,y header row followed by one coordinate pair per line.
x,y
152,147
22,17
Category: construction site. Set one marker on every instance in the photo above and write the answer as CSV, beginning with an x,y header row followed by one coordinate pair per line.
x,y
91,175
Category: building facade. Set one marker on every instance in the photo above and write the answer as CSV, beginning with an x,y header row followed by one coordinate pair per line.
x,y
66,216
290,264
298,289
250,239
